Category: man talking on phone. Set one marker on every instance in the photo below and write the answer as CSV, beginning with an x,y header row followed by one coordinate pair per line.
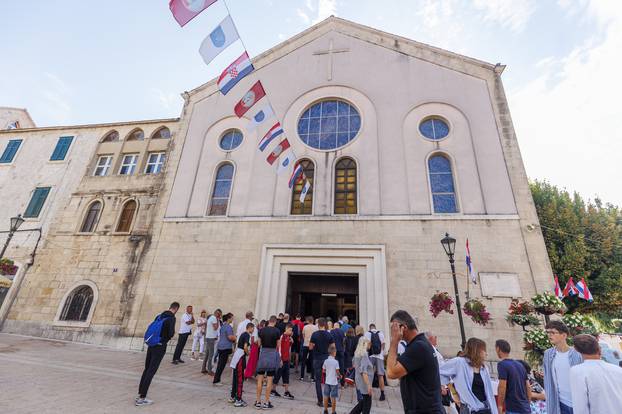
x,y
416,368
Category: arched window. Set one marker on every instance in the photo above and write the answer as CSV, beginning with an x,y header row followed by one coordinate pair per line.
x,y
345,186
136,135
442,184
91,218
307,207
112,136
127,217
162,133
78,304
221,191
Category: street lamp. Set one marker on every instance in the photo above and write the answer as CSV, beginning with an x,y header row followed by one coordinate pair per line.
x,y
15,223
449,244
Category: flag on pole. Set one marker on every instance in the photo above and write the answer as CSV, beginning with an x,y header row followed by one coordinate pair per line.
x,y
274,132
296,176
305,190
264,113
249,99
217,41
286,161
234,73
584,292
469,264
186,10
278,150
570,288
558,289
13,125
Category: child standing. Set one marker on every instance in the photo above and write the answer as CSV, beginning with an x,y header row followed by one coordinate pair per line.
x,y
330,370
283,372
238,363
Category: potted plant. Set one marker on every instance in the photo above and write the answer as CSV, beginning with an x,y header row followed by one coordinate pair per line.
x,y
579,324
441,301
547,303
477,311
536,342
7,267
522,314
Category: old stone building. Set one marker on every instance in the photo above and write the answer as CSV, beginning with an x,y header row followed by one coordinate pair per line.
x,y
401,141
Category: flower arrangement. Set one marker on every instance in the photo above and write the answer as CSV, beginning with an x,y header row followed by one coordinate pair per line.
x,y
547,303
522,313
579,324
441,301
7,267
477,311
536,342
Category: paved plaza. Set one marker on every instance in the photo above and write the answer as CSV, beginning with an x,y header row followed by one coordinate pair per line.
x,y
45,376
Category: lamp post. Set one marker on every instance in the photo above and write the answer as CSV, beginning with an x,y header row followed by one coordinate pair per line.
x,y
15,223
449,244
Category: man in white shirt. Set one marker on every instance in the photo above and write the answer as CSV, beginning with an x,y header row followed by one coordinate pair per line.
x,y
185,330
211,336
596,385
376,338
242,325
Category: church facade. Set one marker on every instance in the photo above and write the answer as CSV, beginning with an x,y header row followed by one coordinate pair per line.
x,y
401,142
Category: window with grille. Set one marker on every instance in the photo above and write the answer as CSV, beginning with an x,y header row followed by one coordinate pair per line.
x,y
297,207
91,218
127,216
221,191
78,304
345,187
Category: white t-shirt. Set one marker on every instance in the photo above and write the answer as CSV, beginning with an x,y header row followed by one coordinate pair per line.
x,y
210,332
331,365
596,387
185,328
561,370
381,336
242,328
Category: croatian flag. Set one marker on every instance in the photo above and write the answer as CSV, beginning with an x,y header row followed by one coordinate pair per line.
x,y
558,289
262,115
297,175
186,10
217,41
584,292
469,264
274,132
570,288
278,150
249,99
285,162
234,73
305,190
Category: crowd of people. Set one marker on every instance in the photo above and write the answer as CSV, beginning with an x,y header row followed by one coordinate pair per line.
x,y
335,354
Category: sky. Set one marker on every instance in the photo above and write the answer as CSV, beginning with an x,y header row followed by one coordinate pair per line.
x,y
80,62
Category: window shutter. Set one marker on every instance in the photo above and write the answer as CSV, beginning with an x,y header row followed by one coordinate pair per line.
x,y
62,147
10,151
37,201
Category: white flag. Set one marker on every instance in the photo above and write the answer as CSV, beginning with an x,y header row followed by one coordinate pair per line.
x,y
285,161
264,113
217,41
305,190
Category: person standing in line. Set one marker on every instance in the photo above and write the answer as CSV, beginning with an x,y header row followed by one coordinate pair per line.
x,y
155,353
307,356
238,364
187,320
280,323
319,343
416,368
251,366
345,325
514,389
199,335
242,325
364,370
376,338
211,335
225,344
283,372
445,392
556,363
297,337
596,385
331,372
340,338
269,361
471,378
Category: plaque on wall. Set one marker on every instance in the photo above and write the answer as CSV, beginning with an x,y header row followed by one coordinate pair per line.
x,y
503,285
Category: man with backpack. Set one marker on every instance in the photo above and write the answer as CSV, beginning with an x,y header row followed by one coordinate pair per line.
x,y
159,332
376,355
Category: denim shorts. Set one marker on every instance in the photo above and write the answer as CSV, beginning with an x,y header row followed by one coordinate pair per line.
x,y
331,391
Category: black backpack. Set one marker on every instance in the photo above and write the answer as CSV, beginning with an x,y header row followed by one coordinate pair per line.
x,y
376,345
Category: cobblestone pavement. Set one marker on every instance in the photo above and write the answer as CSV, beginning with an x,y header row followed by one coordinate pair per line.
x,y
45,376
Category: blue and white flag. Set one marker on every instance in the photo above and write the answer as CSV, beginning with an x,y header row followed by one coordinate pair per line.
x,y
262,115
469,264
285,162
305,191
217,41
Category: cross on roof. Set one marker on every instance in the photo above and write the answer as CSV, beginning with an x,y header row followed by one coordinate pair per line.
x,y
330,52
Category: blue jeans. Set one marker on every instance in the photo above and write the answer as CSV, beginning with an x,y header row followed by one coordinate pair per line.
x,y
564,409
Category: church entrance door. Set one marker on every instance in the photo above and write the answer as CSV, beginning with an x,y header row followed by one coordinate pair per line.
x,y
323,295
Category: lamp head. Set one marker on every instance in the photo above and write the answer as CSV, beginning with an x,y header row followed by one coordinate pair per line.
x,y
449,244
16,222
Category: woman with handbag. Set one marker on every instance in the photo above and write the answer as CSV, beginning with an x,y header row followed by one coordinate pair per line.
x,y
471,379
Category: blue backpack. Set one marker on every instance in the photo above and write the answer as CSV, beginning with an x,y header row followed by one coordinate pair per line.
x,y
153,335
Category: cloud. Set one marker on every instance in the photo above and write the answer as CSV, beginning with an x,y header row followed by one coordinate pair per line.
x,y
168,100
57,95
513,14
303,15
567,119
325,8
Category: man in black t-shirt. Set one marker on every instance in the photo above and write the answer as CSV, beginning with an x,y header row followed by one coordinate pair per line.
x,y
269,361
416,368
320,341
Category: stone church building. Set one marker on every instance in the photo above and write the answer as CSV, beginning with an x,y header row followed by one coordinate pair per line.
x,y
402,143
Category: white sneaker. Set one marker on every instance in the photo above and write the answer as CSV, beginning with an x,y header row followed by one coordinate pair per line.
x,y
143,401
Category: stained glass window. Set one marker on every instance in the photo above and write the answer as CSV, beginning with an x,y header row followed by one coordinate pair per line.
x,y
345,187
329,125
221,191
297,207
442,184
434,128
231,140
